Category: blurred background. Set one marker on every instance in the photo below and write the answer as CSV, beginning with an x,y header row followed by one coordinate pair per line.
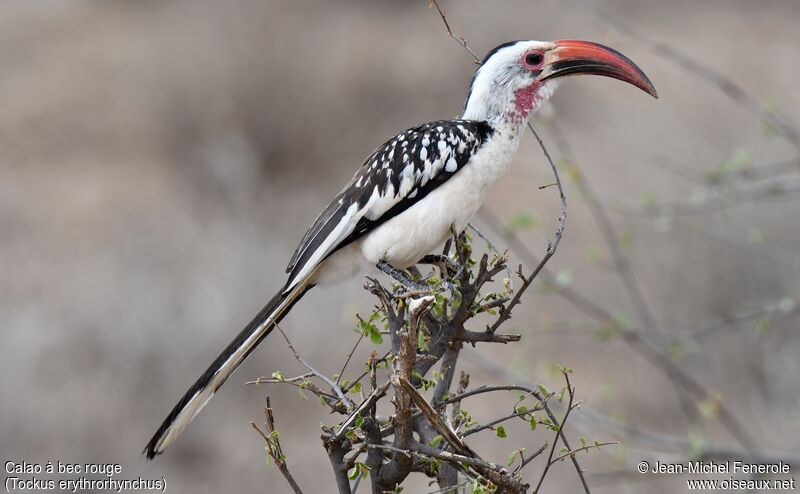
x,y
159,162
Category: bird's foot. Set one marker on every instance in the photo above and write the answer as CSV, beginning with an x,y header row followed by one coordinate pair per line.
x,y
400,276
454,269
409,287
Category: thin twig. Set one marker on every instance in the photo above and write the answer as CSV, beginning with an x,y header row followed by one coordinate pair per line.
x,y
583,448
435,420
552,244
459,39
547,465
637,340
367,403
334,387
273,446
494,251
490,425
341,372
529,459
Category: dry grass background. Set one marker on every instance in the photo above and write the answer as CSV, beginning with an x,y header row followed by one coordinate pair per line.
x,y
160,160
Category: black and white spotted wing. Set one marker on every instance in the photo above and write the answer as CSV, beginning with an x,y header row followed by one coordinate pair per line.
x,y
393,178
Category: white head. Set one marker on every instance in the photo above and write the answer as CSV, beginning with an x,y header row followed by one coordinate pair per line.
x,y
517,77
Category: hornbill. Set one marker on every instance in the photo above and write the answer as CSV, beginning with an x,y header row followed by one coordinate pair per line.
x,y
412,190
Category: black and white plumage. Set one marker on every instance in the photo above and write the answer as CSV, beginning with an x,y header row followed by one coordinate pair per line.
x,y
411,191
393,178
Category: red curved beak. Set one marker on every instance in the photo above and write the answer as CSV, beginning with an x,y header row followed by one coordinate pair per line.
x,y
573,57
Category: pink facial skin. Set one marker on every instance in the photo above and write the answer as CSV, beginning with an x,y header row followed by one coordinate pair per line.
x,y
525,99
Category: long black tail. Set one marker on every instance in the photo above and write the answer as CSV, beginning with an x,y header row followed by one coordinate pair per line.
x,y
225,364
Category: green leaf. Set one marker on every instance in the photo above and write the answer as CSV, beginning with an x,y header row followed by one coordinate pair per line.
x,y
353,474
435,442
356,387
533,423
501,431
370,330
359,421
564,369
511,458
422,343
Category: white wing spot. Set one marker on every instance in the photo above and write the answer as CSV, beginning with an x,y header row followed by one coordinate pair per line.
x,y
423,154
451,165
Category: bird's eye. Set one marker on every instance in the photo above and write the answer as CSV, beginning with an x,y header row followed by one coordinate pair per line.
x,y
533,58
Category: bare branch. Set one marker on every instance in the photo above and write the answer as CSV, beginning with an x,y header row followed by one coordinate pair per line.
x,y
273,446
322,377
547,465
572,452
341,372
461,41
